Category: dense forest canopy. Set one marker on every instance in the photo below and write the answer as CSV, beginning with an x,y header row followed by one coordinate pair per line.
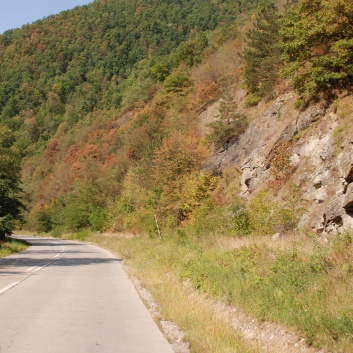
x,y
10,191
103,100
84,56
64,79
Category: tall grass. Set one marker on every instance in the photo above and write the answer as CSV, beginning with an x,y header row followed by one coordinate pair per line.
x,y
302,284
10,246
158,266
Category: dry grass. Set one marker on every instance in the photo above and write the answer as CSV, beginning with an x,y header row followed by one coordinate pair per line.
x,y
297,281
307,244
206,332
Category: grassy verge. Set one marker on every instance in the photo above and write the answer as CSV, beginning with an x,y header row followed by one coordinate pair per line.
x,y
11,246
153,263
296,282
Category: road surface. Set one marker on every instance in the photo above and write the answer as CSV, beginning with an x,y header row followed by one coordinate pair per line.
x,y
67,297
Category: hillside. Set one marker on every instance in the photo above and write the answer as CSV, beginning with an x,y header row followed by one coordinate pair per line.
x,y
80,73
215,136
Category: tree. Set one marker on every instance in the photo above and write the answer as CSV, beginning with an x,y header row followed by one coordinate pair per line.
x,y
317,38
192,51
178,156
229,125
10,203
262,54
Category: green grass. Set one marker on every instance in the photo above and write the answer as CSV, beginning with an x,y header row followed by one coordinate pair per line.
x,y
11,246
158,266
297,282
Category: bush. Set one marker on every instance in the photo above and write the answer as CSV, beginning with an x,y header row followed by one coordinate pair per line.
x,y
81,234
97,218
177,82
44,221
240,220
141,90
252,100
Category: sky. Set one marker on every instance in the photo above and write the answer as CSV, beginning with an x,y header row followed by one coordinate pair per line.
x,y
16,13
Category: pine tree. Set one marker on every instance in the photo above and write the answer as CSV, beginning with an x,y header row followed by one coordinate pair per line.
x,y
262,54
229,125
317,41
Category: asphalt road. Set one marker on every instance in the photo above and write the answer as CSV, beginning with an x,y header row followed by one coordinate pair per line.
x,y
66,297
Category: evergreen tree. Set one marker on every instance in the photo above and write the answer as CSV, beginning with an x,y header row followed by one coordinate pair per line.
x,y
318,47
229,125
262,54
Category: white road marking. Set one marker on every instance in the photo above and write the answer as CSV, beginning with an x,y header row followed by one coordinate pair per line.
x,y
39,268
3,290
32,270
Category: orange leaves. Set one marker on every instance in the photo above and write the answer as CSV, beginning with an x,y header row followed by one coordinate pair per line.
x,y
50,152
178,156
197,189
279,159
205,92
77,159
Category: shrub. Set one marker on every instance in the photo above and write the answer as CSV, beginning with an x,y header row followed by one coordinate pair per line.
x,y
97,218
177,82
44,221
230,124
263,211
240,223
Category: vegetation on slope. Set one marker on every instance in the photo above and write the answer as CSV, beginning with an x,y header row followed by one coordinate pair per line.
x,y
104,102
66,84
317,41
297,281
107,54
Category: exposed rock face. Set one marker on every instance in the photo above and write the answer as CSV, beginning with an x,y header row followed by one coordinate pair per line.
x,y
339,212
322,170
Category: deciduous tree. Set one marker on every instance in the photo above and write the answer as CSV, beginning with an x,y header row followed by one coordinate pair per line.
x,y
178,156
10,202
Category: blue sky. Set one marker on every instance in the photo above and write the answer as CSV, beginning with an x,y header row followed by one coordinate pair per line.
x,y
15,13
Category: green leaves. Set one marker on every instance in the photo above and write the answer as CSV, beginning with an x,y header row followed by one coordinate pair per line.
x,y
317,39
10,203
262,54
229,126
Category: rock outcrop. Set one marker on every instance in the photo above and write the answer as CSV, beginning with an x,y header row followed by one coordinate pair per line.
x,y
339,212
321,169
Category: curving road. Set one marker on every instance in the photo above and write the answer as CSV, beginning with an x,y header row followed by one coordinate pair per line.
x,y
67,297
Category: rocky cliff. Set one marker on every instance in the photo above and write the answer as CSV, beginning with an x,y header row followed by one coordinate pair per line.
x,y
309,149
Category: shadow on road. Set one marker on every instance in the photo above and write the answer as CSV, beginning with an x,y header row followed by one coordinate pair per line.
x,y
36,256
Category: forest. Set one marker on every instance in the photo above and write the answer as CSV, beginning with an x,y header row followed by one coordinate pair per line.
x,y
70,85
102,101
